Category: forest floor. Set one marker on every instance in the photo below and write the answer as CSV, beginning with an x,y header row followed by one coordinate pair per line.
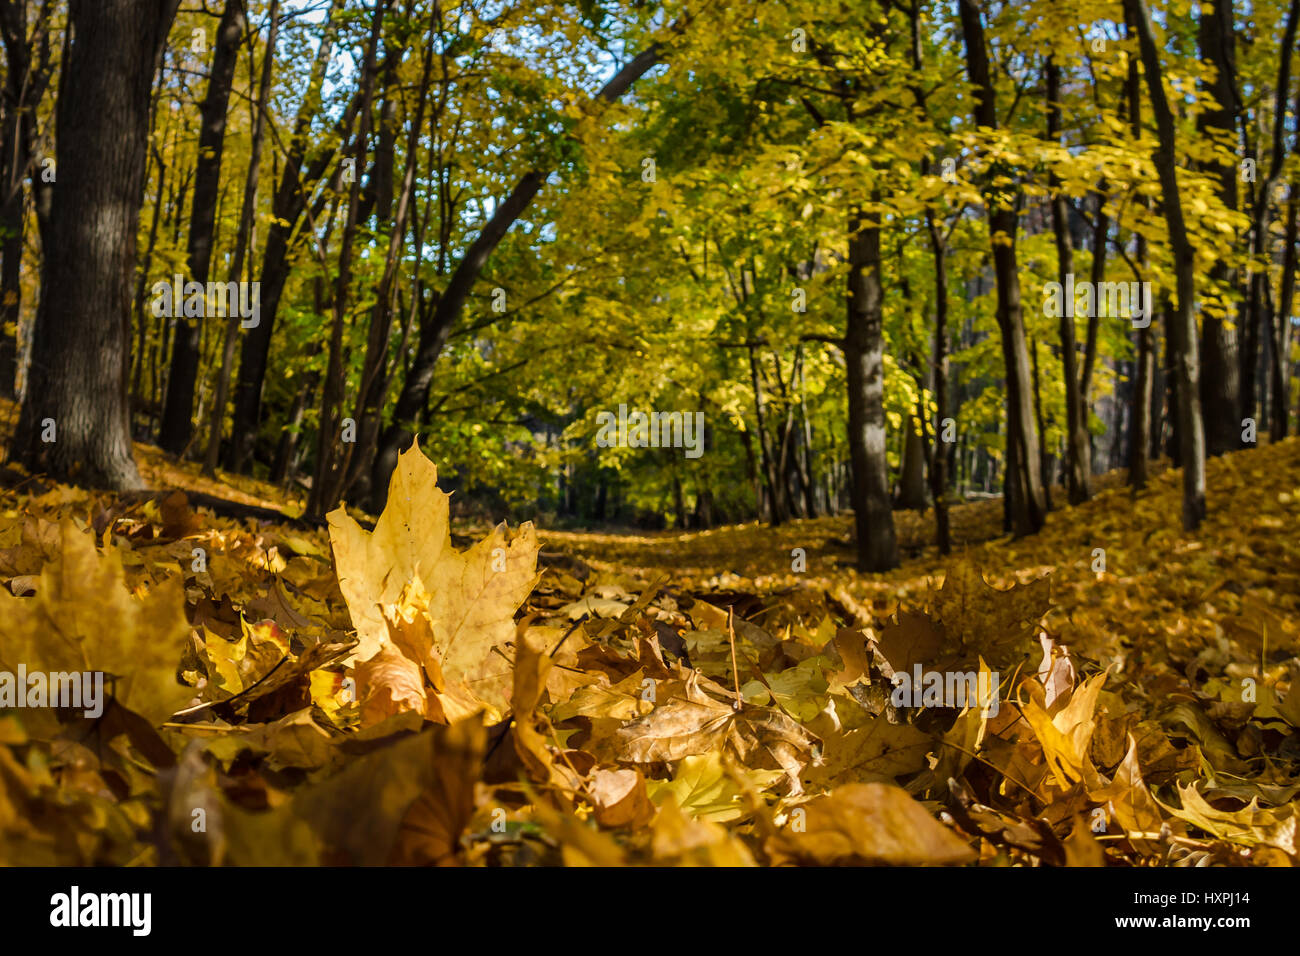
x,y
673,697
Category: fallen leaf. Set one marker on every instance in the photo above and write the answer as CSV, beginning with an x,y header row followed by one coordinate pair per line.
x,y
868,823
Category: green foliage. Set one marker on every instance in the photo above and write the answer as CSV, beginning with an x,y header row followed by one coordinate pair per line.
x,y
699,218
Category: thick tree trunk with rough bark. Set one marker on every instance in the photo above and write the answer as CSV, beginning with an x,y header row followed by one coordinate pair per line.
x,y
864,363
81,349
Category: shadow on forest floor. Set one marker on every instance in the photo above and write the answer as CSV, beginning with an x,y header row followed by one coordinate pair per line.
x,y
1240,572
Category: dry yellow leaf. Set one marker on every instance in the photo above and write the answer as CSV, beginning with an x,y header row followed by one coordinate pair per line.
x,y
472,595
83,618
867,823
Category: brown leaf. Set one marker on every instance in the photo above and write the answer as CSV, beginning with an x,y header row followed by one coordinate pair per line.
x,y
868,823
620,798
380,789
875,751
389,683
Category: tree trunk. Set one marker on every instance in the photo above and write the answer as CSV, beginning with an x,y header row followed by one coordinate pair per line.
x,y
938,454
299,174
806,473
703,505
1221,385
177,424
864,363
751,466
1100,238
1140,438
243,237
679,500
1044,455
13,222
375,376
1281,362
1182,324
1078,458
777,513
1140,431
138,310
1169,405
1280,321
24,88
330,464
1029,507
1010,491
81,349
911,479
787,470
286,449
939,450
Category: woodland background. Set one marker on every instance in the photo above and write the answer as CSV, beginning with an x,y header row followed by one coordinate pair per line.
x,y
476,226
828,229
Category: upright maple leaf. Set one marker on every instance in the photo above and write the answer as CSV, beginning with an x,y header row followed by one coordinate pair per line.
x,y
472,595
